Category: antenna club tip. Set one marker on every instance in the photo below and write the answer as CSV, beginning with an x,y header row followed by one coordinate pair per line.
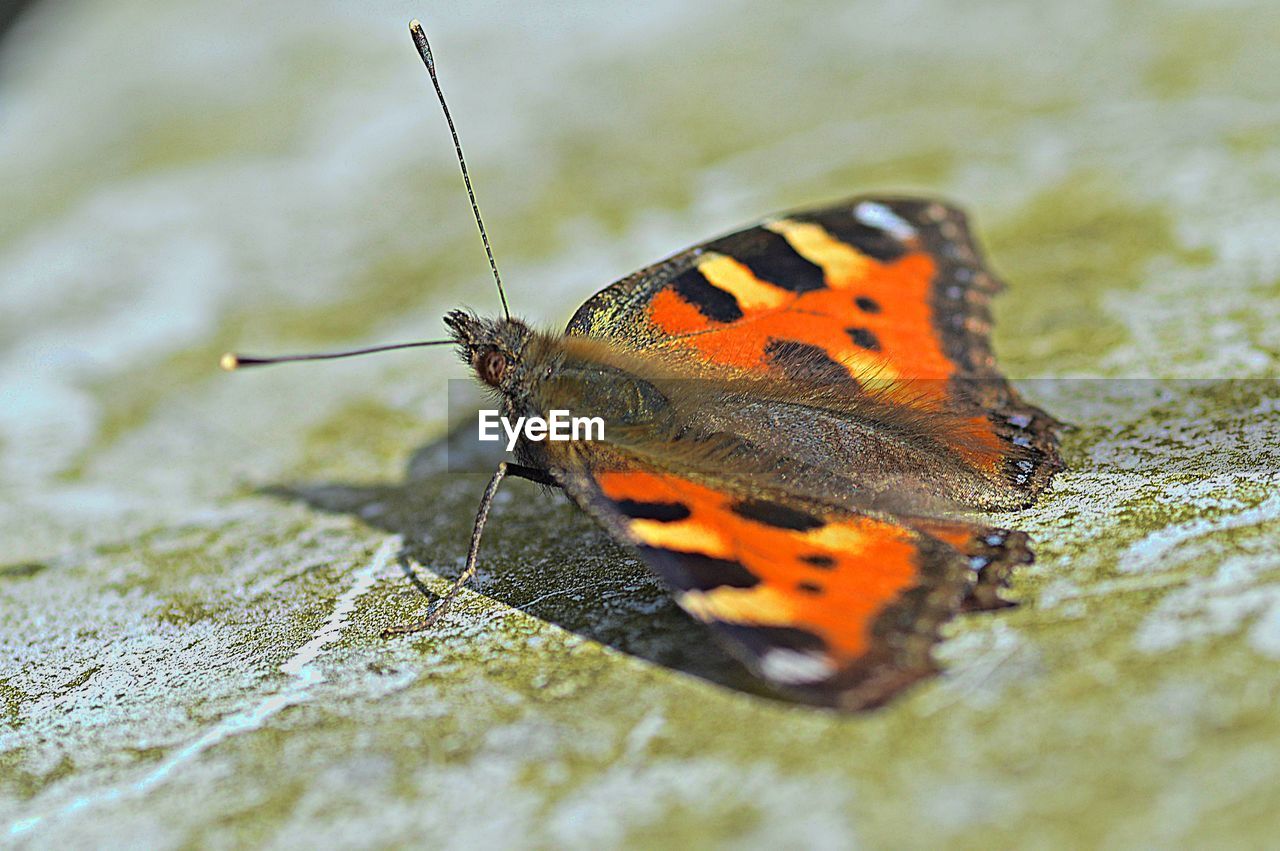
x,y
420,40
229,362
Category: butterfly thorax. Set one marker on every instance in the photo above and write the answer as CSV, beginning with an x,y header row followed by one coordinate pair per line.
x,y
534,373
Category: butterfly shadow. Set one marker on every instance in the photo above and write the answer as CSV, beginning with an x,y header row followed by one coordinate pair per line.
x,y
540,555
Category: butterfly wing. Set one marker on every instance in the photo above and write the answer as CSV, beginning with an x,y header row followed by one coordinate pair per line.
x,y
836,607
887,297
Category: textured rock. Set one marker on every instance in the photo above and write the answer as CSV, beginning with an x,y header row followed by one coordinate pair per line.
x,y
195,567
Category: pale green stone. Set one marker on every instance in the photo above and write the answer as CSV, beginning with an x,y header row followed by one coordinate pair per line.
x,y
195,567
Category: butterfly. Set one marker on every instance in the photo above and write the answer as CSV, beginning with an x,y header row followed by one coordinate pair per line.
x,y
801,418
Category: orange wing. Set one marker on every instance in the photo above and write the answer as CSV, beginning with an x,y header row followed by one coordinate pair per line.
x,y
883,296
838,608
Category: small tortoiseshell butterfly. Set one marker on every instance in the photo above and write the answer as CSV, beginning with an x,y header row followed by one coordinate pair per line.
x,y
797,415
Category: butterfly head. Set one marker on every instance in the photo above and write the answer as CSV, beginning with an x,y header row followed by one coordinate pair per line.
x,y
494,348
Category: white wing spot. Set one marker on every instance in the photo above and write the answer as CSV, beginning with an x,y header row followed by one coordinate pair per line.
x,y
795,667
881,217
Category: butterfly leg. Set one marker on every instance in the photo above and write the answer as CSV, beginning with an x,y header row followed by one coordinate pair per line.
x,y
505,469
532,474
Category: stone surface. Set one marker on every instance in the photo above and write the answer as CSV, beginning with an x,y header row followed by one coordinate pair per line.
x,y
195,567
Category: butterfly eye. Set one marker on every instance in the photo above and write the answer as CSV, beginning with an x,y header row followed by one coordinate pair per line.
x,y
492,366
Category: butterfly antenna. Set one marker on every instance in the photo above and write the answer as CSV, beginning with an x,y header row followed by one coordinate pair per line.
x,y
424,50
232,361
